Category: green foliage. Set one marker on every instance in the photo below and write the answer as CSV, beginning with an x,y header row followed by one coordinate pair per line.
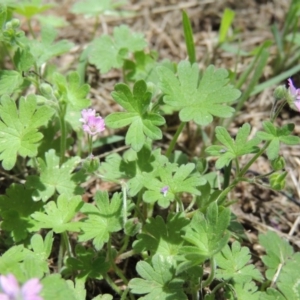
x,y
276,135
278,252
93,8
58,216
19,128
87,263
132,167
143,123
176,179
107,53
163,238
30,8
232,149
54,177
207,234
158,280
197,101
226,22
233,264
46,48
10,81
70,91
102,219
55,287
15,209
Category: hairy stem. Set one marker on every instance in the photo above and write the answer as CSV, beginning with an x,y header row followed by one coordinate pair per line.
x,y
175,138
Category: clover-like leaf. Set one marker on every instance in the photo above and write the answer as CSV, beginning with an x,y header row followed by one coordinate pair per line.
x,y
276,135
158,280
15,209
208,234
58,216
164,238
233,264
55,178
102,219
143,123
232,149
107,52
19,128
172,180
197,101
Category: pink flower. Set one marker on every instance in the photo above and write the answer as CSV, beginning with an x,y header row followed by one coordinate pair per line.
x,y
295,93
12,291
92,124
86,113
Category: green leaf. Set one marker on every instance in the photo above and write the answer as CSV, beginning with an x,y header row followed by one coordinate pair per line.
x,y
132,167
87,263
102,219
289,279
247,290
107,53
158,280
10,81
54,177
208,234
30,8
36,261
162,238
58,215
276,135
10,261
232,149
143,123
3,15
233,264
15,209
197,101
278,252
188,36
93,8
175,179
71,91
227,19
23,60
18,128
46,49
54,287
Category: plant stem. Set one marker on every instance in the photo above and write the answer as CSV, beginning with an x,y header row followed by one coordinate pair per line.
x,y
211,276
112,284
30,28
253,159
175,138
63,133
124,192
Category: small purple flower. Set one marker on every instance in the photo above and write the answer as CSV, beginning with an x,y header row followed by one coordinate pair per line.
x,y
12,291
295,93
164,190
86,113
92,124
